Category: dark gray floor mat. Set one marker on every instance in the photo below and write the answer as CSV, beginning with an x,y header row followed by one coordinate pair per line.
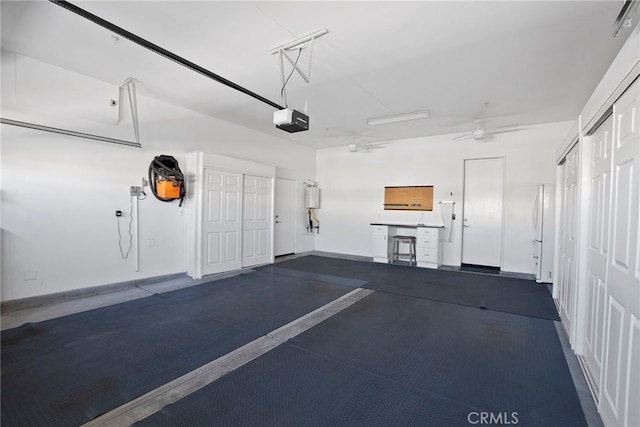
x,y
67,371
510,295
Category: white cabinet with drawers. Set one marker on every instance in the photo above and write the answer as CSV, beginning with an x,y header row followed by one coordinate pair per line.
x,y
380,243
429,242
429,247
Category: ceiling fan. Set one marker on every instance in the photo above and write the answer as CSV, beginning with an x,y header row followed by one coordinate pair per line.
x,y
482,132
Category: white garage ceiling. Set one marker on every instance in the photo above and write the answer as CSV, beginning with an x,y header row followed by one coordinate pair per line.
x,y
533,62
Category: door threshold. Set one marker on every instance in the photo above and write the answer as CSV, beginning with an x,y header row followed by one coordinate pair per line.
x,y
480,268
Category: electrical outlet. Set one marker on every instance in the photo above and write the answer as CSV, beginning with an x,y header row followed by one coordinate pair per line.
x,y
118,213
136,191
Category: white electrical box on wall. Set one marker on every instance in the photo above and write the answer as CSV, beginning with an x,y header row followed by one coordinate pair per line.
x,y
312,198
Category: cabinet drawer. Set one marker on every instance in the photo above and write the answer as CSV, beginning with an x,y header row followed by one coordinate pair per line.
x,y
427,242
422,231
380,229
427,255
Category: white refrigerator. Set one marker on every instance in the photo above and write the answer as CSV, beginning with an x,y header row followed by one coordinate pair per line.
x,y
543,226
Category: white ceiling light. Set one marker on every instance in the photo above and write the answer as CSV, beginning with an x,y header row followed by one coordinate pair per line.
x,y
398,118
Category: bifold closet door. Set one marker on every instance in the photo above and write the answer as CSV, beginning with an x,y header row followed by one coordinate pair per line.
x,y
598,249
621,377
221,221
569,239
256,221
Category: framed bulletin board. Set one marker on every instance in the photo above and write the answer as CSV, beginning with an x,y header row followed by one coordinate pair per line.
x,y
409,198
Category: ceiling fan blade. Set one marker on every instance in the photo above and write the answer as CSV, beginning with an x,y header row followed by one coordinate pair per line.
x,y
508,130
467,135
512,125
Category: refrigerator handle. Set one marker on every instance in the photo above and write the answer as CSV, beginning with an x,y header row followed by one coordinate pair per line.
x,y
534,209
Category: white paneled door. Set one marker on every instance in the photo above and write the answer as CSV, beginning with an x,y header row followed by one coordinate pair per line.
x,y
256,221
285,216
620,396
222,221
482,223
569,239
598,244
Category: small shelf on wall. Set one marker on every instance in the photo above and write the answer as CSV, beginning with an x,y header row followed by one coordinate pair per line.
x,y
409,198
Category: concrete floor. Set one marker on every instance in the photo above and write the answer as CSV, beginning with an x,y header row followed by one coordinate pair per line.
x,y
16,313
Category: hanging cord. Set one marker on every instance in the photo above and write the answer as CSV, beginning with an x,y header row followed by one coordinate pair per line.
x,y
284,85
313,214
142,195
122,253
166,167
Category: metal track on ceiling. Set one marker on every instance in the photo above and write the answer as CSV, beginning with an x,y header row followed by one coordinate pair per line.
x,y
161,51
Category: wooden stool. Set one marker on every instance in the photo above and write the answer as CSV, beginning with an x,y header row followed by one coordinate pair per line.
x,y
411,240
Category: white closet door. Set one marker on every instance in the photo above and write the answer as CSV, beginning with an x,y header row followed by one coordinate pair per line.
x,y
257,224
598,243
621,380
569,248
222,221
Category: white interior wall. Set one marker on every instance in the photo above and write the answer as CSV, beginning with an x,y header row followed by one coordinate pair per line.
x,y
353,188
618,77
60,193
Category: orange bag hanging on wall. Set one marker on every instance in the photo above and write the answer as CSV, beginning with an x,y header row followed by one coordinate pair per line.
x,y
166,179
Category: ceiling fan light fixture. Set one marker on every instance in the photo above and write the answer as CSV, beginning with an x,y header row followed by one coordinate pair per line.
x,y
398,118
479,134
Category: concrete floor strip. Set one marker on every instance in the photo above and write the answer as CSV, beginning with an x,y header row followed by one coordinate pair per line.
x,y
153,401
